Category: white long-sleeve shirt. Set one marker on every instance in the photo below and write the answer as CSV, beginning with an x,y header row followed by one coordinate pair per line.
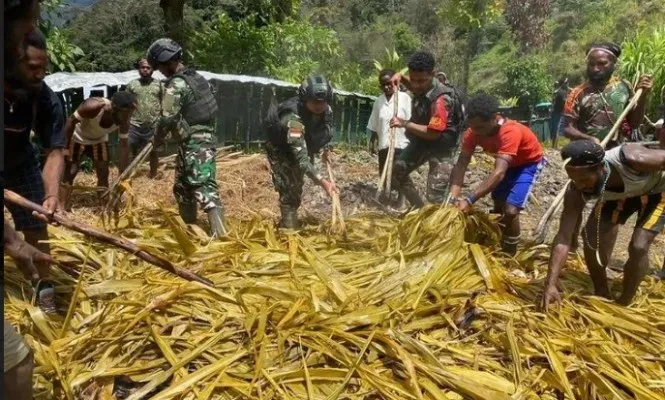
x,y
383,112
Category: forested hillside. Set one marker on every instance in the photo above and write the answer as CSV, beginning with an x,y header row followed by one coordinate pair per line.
x,y
511,48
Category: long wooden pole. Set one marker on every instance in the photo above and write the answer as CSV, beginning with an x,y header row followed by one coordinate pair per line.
x,y
391,148
385,181
135,162
337,215
541,228
105,237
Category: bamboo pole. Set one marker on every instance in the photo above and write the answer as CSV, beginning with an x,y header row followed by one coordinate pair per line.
x,y
543,224
385,181
130,168
337,215
105,237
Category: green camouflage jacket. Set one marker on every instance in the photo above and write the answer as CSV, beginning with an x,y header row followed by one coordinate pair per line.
x,y
296,141
148,97
177,94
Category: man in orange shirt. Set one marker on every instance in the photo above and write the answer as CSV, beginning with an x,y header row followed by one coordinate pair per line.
x,y
519,158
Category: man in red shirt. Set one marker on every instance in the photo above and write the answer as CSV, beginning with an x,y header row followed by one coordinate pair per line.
x,y
433,129
519,158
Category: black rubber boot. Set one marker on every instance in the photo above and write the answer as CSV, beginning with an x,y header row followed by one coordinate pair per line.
x,y
412,195
289,218
217,222
187,212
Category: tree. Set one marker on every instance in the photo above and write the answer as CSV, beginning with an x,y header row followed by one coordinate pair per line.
x,y
114,41
173,19
63,54
527,22
526,78
469,17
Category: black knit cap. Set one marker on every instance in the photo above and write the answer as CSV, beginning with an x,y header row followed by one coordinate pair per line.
x,y
583,153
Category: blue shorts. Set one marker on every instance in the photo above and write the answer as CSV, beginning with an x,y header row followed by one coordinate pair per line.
x,y
515,187
25,180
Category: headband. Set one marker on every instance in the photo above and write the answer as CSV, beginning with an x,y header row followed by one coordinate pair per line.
x,y
602,49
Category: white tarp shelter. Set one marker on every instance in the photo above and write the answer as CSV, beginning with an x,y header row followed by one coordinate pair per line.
x,y
61,81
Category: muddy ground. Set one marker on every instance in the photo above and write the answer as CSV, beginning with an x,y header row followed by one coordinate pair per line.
x,y
247,190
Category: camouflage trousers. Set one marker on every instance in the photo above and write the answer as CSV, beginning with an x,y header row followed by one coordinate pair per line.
x,y
439,155
287,176
196,173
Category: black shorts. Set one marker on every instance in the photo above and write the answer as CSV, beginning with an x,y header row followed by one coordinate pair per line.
x,y
26,180
383,154
650,211
97,152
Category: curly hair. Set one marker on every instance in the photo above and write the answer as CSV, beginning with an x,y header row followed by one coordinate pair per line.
x,y
138,62
422,61
482,105
386,71
123,100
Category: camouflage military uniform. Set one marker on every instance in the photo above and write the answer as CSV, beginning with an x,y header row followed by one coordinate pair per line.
x,y
441,110
195,179
293,144
594,112
289,164
148,95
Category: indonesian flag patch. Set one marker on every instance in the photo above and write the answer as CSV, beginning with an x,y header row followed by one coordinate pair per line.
x,y
295,129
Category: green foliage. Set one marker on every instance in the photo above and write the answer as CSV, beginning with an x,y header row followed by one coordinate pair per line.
x,y
509,102
302,48
471,14
476,42
527,79
644,53
63,54
392,61
289,51
235,47
113,41
488,68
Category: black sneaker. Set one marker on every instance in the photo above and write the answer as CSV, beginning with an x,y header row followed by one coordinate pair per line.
x,y
46,297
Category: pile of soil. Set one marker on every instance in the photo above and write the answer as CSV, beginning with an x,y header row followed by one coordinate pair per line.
x,y
247,191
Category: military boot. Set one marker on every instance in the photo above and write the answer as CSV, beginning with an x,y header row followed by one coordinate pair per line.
x,y
289,218
217,222
187,212
412,195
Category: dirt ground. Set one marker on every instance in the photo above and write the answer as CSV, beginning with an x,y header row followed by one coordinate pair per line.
x,y
247,191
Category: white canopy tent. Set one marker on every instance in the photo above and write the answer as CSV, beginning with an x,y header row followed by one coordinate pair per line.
x,y
61,81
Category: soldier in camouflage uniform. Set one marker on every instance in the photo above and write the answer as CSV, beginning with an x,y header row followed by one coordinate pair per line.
x,y
188,111
148,92
297,130
437,118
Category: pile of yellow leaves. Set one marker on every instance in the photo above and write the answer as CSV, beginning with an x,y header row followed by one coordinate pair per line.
x,y
418,308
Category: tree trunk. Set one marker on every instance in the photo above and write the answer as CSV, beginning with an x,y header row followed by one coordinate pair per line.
x,y
173,19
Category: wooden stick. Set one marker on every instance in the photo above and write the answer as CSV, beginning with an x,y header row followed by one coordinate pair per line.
x,y
105,237
128,173
391,145
132,166
541,228
337,216
386,174
390,158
